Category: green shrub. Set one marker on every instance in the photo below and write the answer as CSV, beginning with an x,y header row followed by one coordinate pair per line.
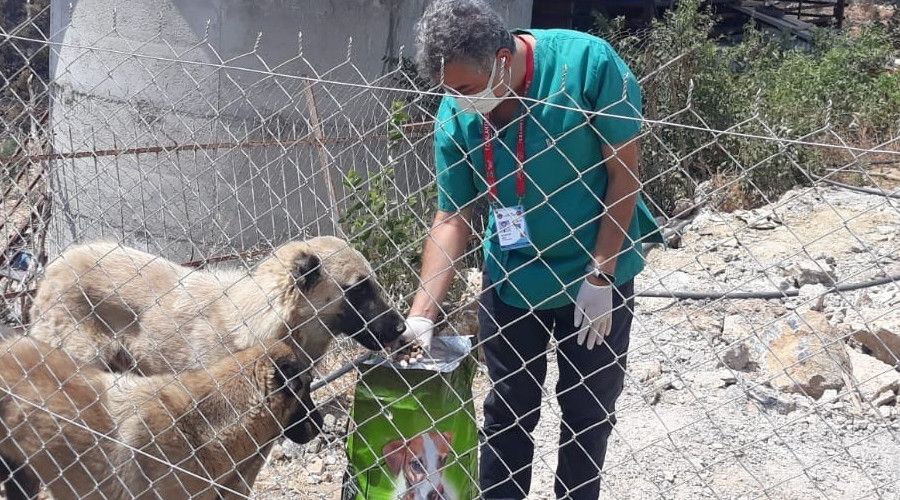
x,y
762,86
387,229
383,224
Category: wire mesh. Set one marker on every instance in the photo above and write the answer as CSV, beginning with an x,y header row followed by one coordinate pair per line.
x,y
191,239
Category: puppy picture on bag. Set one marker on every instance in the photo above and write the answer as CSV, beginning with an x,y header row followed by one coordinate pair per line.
x,y
414,433
418,466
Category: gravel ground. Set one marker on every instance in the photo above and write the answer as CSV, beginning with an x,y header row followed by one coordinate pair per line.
x,y
689,427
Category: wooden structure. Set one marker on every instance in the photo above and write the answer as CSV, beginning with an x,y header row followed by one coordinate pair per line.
x,y
797,17
579,14
815,12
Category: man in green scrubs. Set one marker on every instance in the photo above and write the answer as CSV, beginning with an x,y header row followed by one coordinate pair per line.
x,y
543,123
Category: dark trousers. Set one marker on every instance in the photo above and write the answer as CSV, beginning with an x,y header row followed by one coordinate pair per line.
x,y
515,343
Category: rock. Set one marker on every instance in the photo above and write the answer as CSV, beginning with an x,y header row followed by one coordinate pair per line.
x,y
805,355
882,342
785,284
811,273
330,460
886,399
668,382
838,317
759,219
328,421
293,451
827,258
829,396
652,395
647,372
316,466
736,328
771,400
871,377
738,334
673,239
684,208
813,296
714,379
737,356
863,298
709,195
886,411
764,224
277,452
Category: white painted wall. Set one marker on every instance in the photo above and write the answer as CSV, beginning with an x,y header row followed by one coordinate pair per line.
x,y
193,203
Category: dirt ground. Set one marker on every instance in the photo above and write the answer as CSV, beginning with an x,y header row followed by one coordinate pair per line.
x,y
690,427
858,13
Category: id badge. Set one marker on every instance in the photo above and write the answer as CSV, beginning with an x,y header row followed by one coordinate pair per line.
x,y
511,227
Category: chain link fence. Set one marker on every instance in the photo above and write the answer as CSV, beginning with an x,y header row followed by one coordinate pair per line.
x,y
205,261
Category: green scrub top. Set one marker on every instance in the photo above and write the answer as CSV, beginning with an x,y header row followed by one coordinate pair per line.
x,y
565,175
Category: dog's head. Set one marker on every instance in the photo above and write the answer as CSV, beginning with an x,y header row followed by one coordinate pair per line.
x,y
420,462
328,278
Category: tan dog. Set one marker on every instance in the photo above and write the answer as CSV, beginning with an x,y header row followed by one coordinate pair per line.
x,y
127,309
418,466
86,433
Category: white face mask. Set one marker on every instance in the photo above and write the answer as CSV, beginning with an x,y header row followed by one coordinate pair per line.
x,y
485,101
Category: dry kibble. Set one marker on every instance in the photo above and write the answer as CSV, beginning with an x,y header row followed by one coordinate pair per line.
x,y
412,353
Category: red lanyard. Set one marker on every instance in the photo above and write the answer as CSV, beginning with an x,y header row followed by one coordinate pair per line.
x,y
490,170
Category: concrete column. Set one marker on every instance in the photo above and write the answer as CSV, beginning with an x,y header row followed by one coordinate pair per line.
x,y
175,73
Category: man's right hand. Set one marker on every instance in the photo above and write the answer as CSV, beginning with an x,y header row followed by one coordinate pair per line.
x,y
418,329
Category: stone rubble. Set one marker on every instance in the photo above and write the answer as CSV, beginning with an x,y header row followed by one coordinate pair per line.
x,y
806,356
722,398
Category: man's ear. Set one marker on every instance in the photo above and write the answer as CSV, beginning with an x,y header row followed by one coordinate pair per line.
x,y
307,271
505,57
393,454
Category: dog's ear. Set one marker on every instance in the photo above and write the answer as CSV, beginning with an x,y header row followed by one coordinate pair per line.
x,y
394,453
448,436
307,270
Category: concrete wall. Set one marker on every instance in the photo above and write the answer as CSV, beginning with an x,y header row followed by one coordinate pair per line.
x,y
185,88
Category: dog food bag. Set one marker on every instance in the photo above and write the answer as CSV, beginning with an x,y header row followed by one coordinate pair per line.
x,y
415,435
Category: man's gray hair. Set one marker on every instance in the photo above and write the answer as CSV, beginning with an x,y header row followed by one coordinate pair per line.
x,y
459,31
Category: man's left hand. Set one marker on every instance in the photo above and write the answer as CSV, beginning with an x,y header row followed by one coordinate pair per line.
x,y
593,313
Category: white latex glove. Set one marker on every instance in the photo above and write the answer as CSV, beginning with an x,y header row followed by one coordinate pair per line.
x,y
593,313
420,329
